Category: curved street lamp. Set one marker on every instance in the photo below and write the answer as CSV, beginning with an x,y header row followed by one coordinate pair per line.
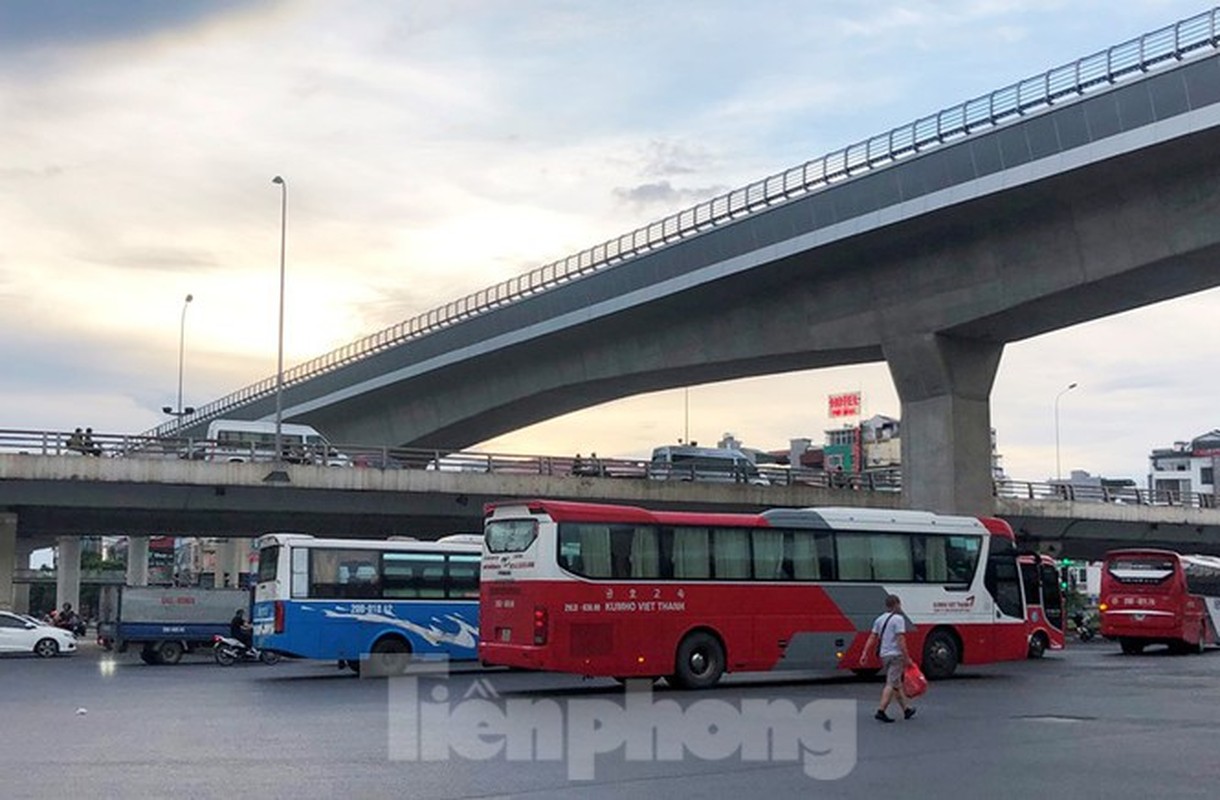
x,y
1070,387
181,412
279,367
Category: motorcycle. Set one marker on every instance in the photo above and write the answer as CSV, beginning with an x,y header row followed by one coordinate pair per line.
x,y
1083,631
228,651
74,624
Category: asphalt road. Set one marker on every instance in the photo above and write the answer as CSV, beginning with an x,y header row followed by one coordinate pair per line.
x,y
1085,723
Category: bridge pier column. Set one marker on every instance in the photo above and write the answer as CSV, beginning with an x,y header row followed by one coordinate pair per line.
x,y
21,591
229,560
137,560
223,561
944,384
8,560
67,571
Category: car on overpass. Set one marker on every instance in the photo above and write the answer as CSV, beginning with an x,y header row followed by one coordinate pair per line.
x,y
19,634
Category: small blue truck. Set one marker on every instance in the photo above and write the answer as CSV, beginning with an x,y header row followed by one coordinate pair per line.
x,y
166,622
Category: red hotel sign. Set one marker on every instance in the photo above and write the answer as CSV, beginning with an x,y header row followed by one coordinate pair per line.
x,y
845,405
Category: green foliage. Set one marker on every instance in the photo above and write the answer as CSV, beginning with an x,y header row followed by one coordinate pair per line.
x,y
93,561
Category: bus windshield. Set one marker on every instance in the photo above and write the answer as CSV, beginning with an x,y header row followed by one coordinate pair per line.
x,y
268,560
1141,570
510,536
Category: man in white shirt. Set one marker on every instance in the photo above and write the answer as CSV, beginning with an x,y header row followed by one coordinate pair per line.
x,y
889,630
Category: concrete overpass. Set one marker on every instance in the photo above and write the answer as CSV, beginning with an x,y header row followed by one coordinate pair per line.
x,y
1079,193
47,497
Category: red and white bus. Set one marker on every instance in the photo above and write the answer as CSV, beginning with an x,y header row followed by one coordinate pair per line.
x,y
1043,604
1160,597
623,592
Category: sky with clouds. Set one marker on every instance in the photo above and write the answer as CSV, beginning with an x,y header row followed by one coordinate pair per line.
x,y
432,149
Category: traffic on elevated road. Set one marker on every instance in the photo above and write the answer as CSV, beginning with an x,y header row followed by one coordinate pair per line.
x,y
243,442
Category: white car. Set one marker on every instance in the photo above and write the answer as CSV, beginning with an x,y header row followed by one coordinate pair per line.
x,y
21,635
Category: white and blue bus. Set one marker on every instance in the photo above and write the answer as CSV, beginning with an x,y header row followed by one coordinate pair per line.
x,y
372,601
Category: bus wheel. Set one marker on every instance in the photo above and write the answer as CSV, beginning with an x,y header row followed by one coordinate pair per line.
x,y
1037,645
169,652
1131,647
1201,645
940,655
389,657
699,663
865,672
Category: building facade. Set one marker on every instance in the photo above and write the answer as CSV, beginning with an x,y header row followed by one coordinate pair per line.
x,y
1187,467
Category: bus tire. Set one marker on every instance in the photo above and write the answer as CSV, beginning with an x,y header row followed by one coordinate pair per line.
x,y
941,654
865,672
1201,645
699,662
1131,647
1037,645
389,656
169,652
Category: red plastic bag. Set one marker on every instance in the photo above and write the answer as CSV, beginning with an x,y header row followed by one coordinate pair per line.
x,y
913,681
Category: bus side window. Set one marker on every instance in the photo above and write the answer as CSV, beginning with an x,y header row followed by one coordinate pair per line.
x,y
463,574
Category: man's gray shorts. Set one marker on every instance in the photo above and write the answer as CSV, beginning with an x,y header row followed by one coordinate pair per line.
x,y
893,667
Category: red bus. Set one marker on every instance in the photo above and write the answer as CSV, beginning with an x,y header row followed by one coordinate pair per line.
x,y
1043,604
623,592
1160,597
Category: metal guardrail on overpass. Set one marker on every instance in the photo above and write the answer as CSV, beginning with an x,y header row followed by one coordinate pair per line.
x,y
889,481
1102,69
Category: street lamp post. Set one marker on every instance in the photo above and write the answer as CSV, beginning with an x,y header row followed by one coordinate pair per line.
x,y
1070,387
279,368
179,411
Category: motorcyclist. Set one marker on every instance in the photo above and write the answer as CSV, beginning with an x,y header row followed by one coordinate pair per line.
x,y
69,620
241,630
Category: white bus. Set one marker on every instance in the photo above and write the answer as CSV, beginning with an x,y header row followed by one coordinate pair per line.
x,y
356,600
714,464
238,441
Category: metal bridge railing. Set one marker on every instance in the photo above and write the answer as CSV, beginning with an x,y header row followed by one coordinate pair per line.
x,y
1135,57
887,480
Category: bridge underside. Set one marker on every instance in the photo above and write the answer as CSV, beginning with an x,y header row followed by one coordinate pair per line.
x,y
1088,530
932,264
937,296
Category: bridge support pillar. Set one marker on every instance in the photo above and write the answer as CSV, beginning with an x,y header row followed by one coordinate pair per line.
x,y
21,591
8,559
224,561
67,571
137,560
944,384
231,562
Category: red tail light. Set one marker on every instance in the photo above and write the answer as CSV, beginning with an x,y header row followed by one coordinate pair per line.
x,y
540,624
279,616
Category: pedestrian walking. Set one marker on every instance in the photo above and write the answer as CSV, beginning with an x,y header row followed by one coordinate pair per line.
x,y
888,639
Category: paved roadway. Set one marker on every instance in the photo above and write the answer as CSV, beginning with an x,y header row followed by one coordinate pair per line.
x,y
1086,723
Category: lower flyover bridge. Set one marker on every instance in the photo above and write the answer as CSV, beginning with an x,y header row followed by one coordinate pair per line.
x,y
136,489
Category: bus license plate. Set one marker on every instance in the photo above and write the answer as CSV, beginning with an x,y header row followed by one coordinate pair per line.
x,y
506,634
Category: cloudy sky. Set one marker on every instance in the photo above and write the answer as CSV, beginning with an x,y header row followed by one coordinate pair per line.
x,y
434,148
